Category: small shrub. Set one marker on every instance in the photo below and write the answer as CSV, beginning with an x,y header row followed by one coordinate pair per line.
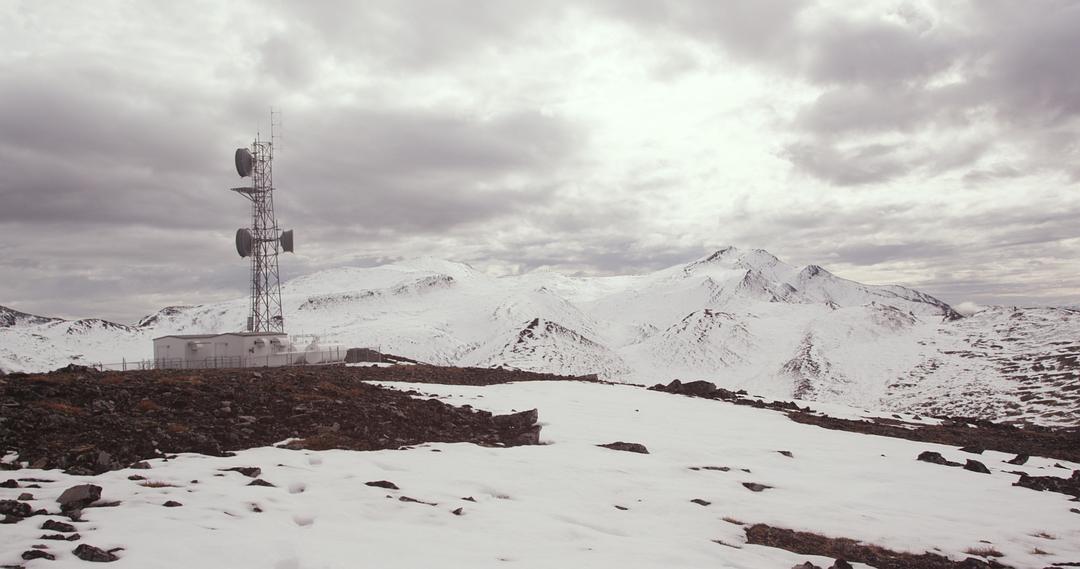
x,y
157,484
982,551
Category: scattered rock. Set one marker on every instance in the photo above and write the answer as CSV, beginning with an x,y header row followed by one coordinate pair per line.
x,y
15,509
972,449
172,504
249,471
9,483
386,484
755,487
136,477
623,508
1070,486
469,499
522,420
62,537
261,482
415,501
786,453
94,554
976,466
935,458
458,512
628,447
78,497
1019,459
25,496
806,565
841,564
701,502
53,525
141,465
38,554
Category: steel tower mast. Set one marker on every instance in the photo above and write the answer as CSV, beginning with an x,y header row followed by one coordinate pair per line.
x,y
264,240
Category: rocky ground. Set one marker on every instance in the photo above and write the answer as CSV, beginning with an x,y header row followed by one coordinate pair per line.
x,y
87,422
974,435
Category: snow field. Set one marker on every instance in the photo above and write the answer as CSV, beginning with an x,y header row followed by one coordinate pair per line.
x,y
555,505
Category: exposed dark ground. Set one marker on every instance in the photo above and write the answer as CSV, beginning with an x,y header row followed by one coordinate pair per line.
x,y
850,550
85,421
965,432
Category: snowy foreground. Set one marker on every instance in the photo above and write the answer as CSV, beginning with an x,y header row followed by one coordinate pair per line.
x,y
556,505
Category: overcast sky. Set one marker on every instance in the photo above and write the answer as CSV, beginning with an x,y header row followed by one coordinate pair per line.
x,y
930,144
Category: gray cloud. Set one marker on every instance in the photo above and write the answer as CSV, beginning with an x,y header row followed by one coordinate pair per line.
x,y
1009,72
754,30
415,34
425,171
477,131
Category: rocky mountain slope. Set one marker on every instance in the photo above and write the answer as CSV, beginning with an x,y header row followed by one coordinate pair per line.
x,y
740,318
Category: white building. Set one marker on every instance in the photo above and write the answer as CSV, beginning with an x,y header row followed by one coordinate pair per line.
x,y
236,349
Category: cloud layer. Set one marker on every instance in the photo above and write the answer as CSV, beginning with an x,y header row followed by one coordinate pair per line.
x,y
932,144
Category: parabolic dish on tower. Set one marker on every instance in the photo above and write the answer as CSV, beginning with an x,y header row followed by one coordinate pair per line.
x,y
244,242
287,241
244,162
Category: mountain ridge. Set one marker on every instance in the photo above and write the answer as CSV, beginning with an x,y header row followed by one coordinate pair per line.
x,y
743,319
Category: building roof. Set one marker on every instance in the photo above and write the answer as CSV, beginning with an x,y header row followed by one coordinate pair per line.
x,y
207,336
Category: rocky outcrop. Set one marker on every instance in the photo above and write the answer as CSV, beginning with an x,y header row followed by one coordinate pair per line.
x,y
88,422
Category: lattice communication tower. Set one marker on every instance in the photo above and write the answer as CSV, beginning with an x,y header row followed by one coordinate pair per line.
x,y
263,241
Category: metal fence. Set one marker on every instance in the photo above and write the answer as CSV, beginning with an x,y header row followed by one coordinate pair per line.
x,y
315,357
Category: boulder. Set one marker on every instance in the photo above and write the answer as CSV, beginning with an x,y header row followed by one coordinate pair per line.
x,y
94,554
37,554
935,458
517,421
627,447
1070,486
249,471
78,497
53,525
976,466
15,509
1019,459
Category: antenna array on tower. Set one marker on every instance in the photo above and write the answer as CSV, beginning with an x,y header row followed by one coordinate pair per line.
x,y
263,241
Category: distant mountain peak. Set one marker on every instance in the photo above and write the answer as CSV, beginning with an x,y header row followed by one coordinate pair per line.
x,y
810,271
719,254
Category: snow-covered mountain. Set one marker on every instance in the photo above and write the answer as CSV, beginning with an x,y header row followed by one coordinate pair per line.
x,y
740,318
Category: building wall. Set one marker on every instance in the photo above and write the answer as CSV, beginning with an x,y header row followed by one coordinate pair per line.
x,y
223,350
